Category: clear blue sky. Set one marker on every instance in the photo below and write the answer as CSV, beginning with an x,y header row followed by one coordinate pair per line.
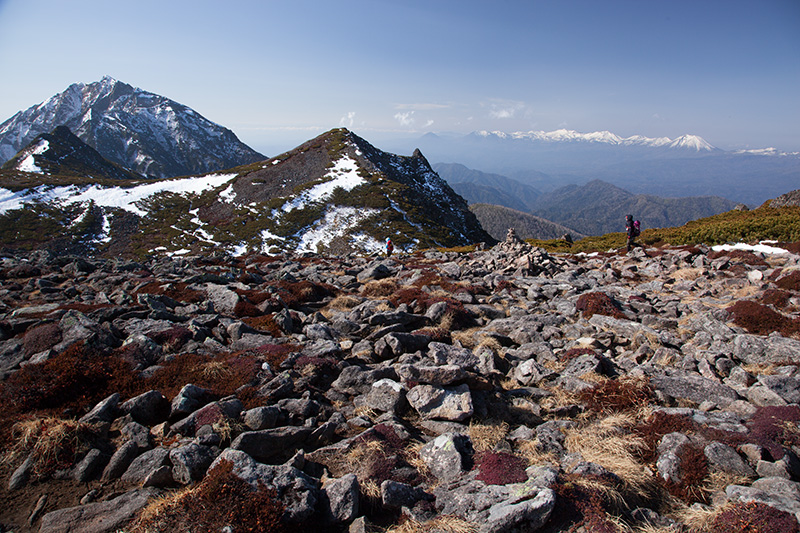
x,y
280,72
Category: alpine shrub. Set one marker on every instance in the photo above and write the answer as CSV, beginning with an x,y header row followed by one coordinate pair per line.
x,y
598,303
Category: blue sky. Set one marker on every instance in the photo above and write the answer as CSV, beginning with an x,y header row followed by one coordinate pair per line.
x,y
280,72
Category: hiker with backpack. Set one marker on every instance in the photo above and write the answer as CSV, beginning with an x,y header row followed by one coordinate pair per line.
x,y
389,247
632,230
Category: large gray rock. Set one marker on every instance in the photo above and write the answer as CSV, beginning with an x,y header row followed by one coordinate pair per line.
x,y
531,513
758,350
190,462
298,492
779,493
339,499
447,456
100,517
266,444
120,460
454,404
395,495
141,467
441,375
695,388
386,395
446,354
724,458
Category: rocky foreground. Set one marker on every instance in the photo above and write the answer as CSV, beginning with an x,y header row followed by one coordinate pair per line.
x,y
498,390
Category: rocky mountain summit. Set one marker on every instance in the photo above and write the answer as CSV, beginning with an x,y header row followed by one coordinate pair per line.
x,y
333,194
149,134
504,389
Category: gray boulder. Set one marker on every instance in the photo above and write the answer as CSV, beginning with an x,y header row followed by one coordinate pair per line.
x,y
190,462
339,499
101,517
447,456
454,404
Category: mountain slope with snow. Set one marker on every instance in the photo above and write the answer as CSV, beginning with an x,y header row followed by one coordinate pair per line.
x,y
334,194
62,153
144,132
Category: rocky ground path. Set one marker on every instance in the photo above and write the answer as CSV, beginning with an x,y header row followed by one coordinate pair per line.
x,y
498,390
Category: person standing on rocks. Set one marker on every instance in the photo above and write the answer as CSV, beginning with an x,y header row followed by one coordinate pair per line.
x,y
631,231
389,247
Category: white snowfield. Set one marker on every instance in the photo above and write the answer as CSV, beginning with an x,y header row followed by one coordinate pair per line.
x,y
762,247
119,197
344,174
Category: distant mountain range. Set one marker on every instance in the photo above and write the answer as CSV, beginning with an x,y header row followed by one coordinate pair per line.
x,y
594,208
334,194
686,166
149,134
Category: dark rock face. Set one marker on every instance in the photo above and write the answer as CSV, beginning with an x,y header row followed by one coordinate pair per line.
x,y
473,387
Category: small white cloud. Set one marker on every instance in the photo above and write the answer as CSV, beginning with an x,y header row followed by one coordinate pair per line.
x,y
502,109
428,124
405,119
347,120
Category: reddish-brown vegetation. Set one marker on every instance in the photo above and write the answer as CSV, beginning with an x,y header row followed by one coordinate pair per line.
x,y
598,303
500,468
790,282
762,320
752,517
615,395
221,500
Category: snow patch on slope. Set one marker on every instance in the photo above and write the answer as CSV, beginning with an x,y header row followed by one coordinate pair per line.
x,y
338,221
344,174
119,197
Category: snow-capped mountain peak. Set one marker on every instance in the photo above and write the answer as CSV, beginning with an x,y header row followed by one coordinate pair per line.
x,y
147,133
692,142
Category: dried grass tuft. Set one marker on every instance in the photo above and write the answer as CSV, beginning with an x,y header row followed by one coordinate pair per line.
x,y
439,524
485,436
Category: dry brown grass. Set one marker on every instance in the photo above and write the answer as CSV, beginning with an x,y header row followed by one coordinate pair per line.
x,y
609,443
412,456
439,524
559,397
215,371
718,481
379,288
486,435
53,443
759,369
687,274
530,451
343,302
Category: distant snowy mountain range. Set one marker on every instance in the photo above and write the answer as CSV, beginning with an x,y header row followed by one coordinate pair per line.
x,y
141,131
686,166
689,142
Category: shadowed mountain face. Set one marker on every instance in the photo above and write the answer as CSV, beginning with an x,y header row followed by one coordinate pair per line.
x,y
147,133
61,152
497,220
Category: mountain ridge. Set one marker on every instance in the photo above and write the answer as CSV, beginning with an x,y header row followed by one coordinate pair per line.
x,y
334,194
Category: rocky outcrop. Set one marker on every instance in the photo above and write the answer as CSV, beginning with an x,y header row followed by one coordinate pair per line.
x,y
475,386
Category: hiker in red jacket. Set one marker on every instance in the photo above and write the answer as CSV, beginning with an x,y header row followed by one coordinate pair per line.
x,y
389,247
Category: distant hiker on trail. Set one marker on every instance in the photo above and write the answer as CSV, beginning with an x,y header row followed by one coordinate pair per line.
x,y
389,247
631,230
